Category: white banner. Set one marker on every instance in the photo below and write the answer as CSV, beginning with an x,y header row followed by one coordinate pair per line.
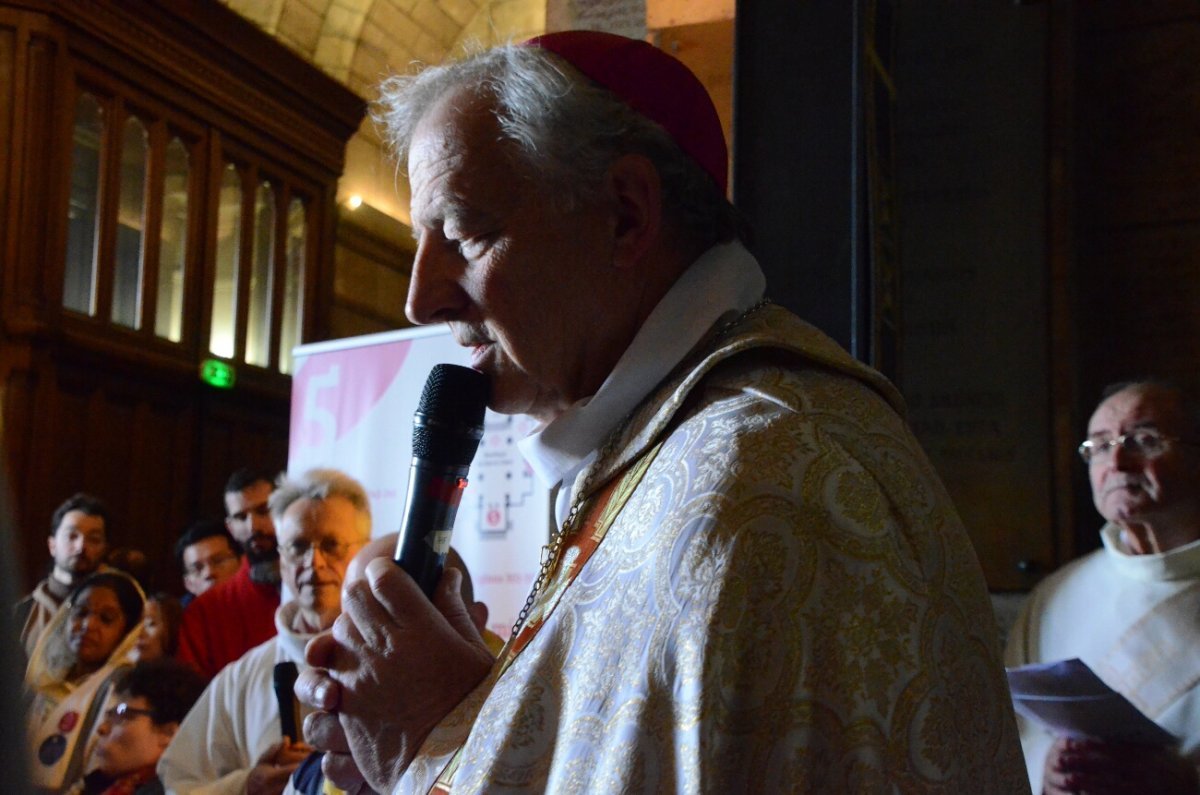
x,y
352,407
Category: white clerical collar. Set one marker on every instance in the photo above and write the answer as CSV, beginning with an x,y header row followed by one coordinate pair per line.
x,y
288,640
724,279
1180,563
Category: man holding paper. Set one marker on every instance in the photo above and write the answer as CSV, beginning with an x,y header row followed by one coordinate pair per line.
x,y
1131,610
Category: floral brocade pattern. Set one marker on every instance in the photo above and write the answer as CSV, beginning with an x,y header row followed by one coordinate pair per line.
x,y
787,603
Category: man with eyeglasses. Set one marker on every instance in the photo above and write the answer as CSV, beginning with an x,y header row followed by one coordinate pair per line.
x,y
232,741
208,556
147,705
1129,610
231,618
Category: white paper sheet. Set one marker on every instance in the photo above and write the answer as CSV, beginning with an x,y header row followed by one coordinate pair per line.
x,y
1068,698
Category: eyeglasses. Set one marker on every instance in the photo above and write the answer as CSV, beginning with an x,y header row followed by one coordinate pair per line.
x,y
123,713
1144,443
215,562
299,550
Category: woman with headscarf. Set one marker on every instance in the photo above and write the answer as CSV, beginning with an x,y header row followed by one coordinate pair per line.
x,y
89,642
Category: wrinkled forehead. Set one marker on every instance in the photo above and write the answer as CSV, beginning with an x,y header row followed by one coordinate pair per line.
x,y
333,516
458,151
1140,407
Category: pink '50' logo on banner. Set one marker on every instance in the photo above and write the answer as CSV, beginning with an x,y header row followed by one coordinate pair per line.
x,y
333,391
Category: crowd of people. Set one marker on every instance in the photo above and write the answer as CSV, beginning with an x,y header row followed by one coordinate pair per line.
x,y
757,581
102,654
141,694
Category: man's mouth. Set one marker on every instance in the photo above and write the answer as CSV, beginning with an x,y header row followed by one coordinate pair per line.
x,y
468,338
1125,485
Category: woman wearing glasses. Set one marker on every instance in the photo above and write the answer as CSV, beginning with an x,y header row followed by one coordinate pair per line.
x,y
71,670
143,714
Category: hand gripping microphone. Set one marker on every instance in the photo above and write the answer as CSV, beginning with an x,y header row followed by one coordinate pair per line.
x,y
446,432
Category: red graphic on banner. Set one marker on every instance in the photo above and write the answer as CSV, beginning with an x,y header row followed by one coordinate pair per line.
x,y
333,392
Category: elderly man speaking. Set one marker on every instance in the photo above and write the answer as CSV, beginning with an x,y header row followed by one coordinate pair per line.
x,y
758,582
231,741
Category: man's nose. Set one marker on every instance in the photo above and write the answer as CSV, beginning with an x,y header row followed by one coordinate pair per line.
x,y
434,294
1124,460
103,729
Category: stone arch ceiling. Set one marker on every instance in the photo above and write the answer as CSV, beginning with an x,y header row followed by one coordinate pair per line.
x,y
360,41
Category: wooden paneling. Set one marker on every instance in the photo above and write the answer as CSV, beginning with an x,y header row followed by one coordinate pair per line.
x,y
707,49
1140,119
90,405
1138,181
37,159
374,255
1135,168
673,13
1124,14
8,77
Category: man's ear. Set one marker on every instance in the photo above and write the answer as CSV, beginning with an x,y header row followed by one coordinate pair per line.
x,y
637,190
165,732
50,544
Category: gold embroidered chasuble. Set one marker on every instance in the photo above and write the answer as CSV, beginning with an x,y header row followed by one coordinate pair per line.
x,y
786,602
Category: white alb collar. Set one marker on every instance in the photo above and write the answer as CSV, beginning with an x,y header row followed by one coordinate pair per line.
x,y
725,279
1180,563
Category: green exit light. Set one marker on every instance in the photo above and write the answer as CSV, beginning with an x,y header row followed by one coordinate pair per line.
x,y
215,372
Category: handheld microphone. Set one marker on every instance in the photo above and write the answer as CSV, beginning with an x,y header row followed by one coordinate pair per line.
x,y
447,428
284,680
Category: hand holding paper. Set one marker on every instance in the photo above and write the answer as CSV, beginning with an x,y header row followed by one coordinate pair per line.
x,y
1069,699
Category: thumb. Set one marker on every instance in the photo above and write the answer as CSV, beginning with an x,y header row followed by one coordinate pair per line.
x,y
447,598
268,756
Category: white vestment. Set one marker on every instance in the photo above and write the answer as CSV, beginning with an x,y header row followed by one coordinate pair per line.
x,y
235,721
787,602
1092,608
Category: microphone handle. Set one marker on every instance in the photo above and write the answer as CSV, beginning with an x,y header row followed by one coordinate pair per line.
x,y
285,683
434,492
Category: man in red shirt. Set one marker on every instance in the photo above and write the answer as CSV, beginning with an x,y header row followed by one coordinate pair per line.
x,y
229,619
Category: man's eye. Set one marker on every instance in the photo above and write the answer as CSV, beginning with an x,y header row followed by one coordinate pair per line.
x,y
1147,440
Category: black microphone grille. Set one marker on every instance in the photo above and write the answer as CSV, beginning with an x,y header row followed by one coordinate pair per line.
x,y
449,419
454,394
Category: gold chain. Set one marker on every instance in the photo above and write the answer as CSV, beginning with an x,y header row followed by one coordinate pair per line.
x,y
552,549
